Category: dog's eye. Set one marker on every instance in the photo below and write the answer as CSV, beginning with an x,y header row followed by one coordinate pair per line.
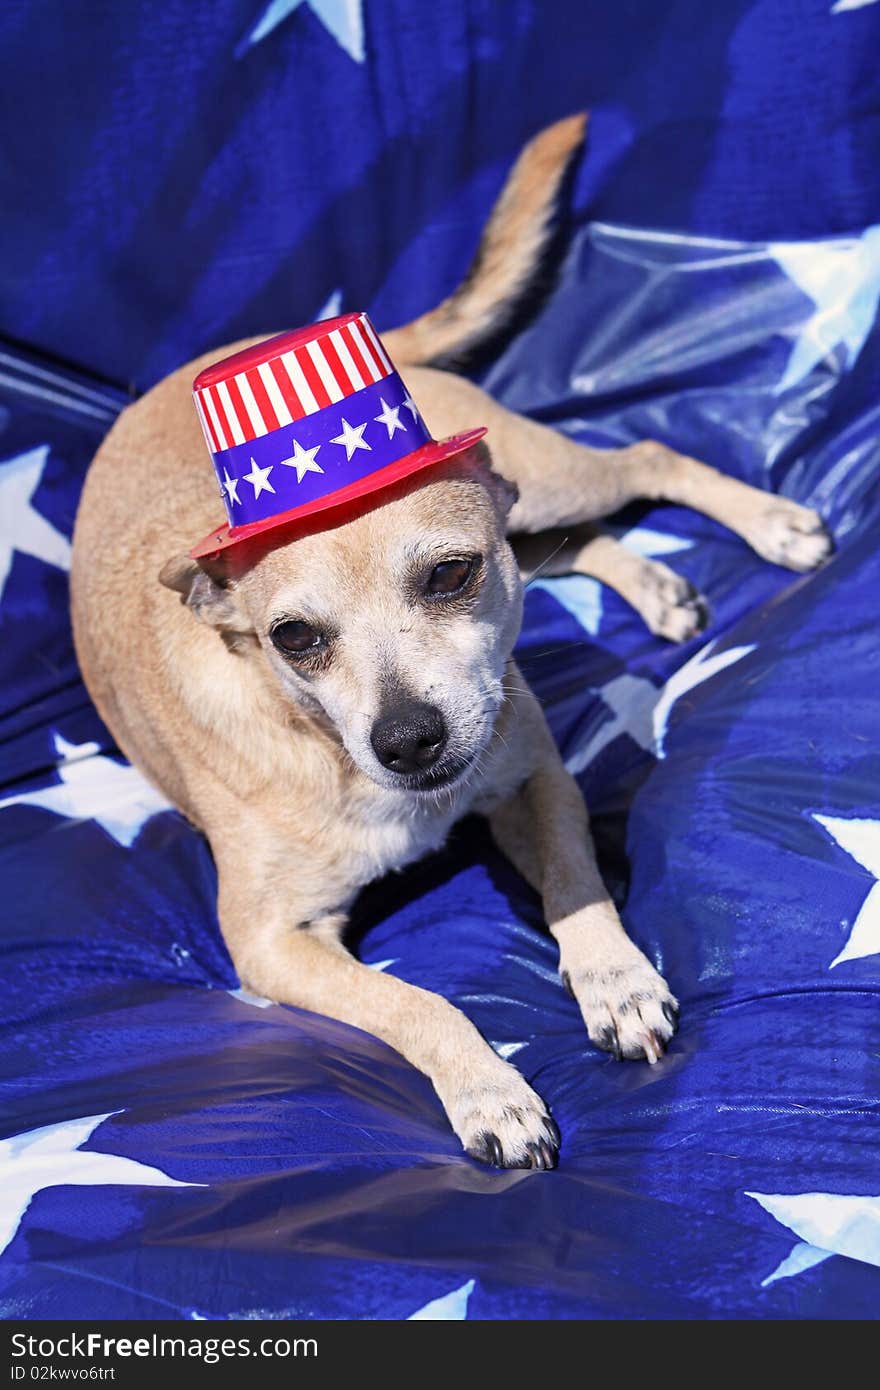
x,y
450,576
296,637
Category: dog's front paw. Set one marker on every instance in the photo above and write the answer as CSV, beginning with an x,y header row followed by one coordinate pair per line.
x,y
629,1009
669,604
500,1120
787,534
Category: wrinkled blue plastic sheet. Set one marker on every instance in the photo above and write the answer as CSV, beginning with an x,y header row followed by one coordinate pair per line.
x,y
175,1148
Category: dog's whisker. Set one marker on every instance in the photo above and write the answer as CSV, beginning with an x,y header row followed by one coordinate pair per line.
x,y
554,651
525,690
544,563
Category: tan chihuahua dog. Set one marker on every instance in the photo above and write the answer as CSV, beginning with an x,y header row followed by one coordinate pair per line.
x,y
325,708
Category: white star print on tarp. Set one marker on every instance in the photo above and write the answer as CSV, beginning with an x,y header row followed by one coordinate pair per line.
x,y
21,526
257,1001
800,1258
509,1049
642,711
843,5
52,1157
342,18
94,787
451,1307
632,701
578,595
331,308
644,540
700,668
842,277
840,1224
861,841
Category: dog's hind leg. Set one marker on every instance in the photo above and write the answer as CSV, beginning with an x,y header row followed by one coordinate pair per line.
x,y
291,954
667,602
562,483
779,530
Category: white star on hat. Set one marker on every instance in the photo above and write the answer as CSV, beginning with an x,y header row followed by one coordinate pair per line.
x,y
259,478
351,438
409,404
230,487
303,460
390,417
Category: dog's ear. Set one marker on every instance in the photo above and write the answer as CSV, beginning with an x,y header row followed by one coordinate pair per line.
x,y
205,589
502,491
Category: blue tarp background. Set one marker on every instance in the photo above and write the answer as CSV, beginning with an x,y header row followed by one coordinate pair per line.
x,y
173,176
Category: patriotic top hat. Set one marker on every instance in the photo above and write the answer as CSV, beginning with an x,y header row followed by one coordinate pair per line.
x,y
303,427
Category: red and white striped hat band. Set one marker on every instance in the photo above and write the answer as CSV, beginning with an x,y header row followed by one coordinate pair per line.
x,y
291,382
308,421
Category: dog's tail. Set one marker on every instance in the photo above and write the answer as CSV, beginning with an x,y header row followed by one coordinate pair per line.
x,y
507,257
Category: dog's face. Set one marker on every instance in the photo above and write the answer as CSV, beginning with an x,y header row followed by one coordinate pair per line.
x,y
398,625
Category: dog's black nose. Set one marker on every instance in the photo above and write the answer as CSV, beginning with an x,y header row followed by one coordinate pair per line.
x,y
410,739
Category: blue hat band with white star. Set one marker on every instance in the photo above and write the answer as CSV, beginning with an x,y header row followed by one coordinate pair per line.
x,y
320,454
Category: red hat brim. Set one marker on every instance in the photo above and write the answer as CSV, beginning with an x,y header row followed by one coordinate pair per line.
x,y
338,507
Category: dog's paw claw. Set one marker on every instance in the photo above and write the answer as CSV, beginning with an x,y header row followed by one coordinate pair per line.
x,y
504,1123
488,1149
791,535
670,1013
629,1010
552,1129
542,1156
